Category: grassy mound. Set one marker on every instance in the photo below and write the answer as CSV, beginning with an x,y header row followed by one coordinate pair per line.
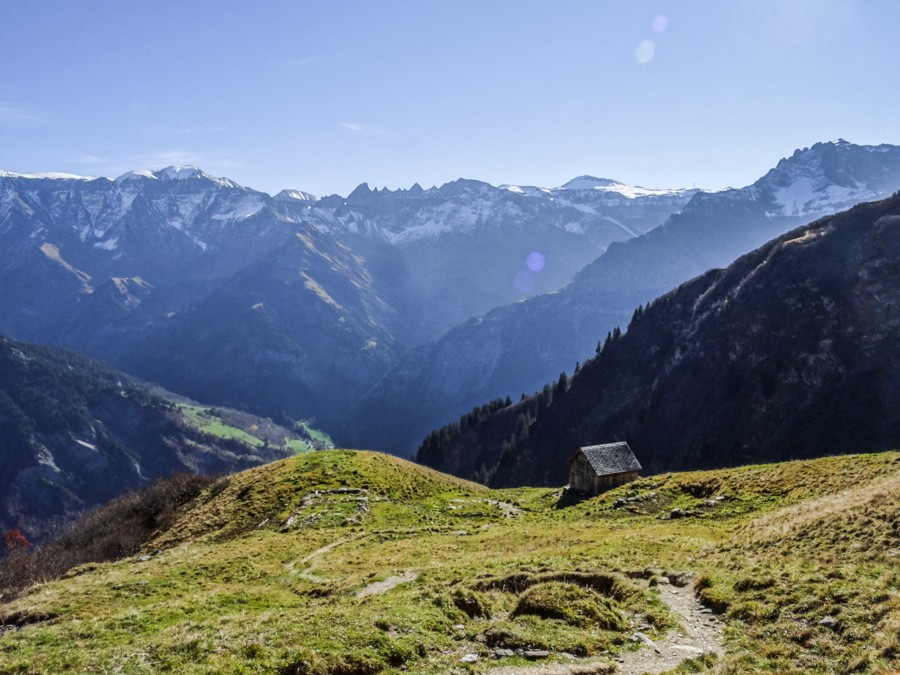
x,y
573,604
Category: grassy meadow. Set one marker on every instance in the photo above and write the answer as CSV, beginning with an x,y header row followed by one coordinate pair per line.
x,y
355,562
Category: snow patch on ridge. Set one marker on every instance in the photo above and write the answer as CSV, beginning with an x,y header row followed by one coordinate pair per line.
x,y
803,198
50,175
136,174
591,184
109,245
243,209
627,191
178,172
175,172
296,195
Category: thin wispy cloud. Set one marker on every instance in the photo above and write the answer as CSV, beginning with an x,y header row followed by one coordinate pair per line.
x,y
84,158
178,157
364,129
17,116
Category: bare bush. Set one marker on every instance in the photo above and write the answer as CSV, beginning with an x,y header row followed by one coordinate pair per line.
x,y
109,532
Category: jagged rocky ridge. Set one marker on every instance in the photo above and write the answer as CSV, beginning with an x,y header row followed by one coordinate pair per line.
x,y
789,352
459,250
289,306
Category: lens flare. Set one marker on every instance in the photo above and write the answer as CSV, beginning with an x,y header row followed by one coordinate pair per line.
x,y
645,51
535,261
660,23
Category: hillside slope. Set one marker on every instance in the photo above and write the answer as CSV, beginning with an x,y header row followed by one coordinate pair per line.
x,y
351,562
75,433
789,352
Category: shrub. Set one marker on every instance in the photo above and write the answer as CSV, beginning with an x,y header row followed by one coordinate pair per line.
x,y
14,540
109,532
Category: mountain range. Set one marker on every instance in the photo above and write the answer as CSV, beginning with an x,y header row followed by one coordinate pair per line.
x,y
790,352
174,273
517,348
353,311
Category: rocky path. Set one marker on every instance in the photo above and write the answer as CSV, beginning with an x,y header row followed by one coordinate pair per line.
x,y
311,563
701,632
379,587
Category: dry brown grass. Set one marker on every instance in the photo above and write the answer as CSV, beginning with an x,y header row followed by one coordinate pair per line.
x,y
875,500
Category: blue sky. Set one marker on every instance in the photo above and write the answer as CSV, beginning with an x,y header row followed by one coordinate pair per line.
x,y
323,96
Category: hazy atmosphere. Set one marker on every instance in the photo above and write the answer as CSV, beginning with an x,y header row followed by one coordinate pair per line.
x,y
323,96
450,337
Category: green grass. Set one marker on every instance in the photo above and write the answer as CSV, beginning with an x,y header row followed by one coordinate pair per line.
x,y
255,432
267,574
316,435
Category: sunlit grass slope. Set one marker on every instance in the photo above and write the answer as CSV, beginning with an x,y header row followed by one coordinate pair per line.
x,y
357,562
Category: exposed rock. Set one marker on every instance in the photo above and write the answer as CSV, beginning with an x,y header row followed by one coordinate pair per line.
x,y
641,637
683,513
535,654
828,622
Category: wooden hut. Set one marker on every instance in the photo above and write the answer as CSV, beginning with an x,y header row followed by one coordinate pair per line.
x,y
596,468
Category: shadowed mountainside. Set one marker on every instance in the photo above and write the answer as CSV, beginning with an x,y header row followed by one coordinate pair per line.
x,y
789,352
75,433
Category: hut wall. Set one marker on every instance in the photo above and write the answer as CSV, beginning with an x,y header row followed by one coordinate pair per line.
x,y
583,478
581,475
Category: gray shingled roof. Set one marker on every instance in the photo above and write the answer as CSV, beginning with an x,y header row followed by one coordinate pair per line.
x,y
611,458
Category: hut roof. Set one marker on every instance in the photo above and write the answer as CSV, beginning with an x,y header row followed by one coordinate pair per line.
x,y
610,458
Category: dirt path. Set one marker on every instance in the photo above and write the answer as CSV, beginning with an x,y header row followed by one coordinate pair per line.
x,y
324,549
310,561
379,587
700,632
589,667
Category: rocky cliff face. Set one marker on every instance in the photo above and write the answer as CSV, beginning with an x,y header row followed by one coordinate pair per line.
x,y
789,352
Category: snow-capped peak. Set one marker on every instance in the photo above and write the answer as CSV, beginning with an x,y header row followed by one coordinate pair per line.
x,y
51,175
295,195
175,172
136,175
589,183
826,177
608,185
